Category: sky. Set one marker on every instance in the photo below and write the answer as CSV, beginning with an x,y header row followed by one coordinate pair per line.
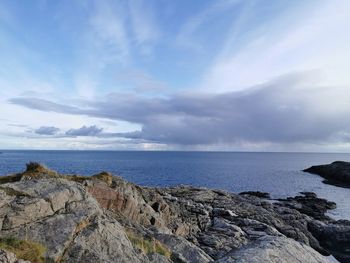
x,y
223,75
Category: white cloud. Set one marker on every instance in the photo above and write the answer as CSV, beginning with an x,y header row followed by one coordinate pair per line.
x,y
187,31
291,110
110,34
319,40
144,27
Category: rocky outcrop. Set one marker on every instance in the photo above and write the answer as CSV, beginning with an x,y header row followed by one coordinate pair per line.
x,y
336,173
103,218
309,204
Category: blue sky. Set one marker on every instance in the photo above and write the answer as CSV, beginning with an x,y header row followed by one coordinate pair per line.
x,y
175,75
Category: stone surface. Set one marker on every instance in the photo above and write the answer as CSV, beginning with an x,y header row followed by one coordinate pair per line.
x,y
9,257
256,193
184,249
89,219
103,240
270,249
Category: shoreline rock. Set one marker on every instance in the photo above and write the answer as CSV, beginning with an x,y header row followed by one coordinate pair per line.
x,y
336,173
103,218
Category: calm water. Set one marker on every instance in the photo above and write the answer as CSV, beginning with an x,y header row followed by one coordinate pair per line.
x,y
277,173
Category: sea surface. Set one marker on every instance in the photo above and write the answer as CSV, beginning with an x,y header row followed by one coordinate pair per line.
x,y
277,173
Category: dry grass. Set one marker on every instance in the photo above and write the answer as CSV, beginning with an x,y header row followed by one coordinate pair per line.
x,y
77,178
105,177
24,249
148,245
10,178
37,170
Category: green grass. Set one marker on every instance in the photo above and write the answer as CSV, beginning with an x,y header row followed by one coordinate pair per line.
x,y
148,245
24,249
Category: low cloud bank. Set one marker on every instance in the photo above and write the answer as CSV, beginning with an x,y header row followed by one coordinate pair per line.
x,y
290,109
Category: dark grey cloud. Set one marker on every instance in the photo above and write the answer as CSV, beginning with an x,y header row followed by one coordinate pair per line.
x,y
85,131
288,110
47,130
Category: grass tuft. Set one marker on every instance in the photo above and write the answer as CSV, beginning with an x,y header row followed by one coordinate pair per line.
x,y
37,170
148,245
24,249
10,178
77,178
105,177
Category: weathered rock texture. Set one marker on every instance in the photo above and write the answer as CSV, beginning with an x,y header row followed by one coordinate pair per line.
x,y
106,219
337,173
9,257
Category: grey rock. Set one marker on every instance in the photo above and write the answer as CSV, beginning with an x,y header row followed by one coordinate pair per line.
x,y
187,251
157,258
104,240
49,213
9,257
89,219
272,249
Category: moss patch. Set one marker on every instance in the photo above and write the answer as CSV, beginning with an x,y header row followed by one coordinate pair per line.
x,y
148,245
24,249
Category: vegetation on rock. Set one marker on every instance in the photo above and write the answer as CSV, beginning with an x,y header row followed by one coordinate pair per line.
x,y
24,249
37,170
105,177
148,245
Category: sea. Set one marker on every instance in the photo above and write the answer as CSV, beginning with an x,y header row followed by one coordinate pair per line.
x,y
280,174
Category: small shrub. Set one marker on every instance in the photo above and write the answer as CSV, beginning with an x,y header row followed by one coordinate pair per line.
x,y
24,249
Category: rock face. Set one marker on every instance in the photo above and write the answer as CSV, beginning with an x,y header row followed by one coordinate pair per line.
x,y
106,219
273,249
8,257
337,173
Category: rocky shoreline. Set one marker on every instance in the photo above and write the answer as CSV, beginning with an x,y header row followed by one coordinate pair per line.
x,y
336,173
103,218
